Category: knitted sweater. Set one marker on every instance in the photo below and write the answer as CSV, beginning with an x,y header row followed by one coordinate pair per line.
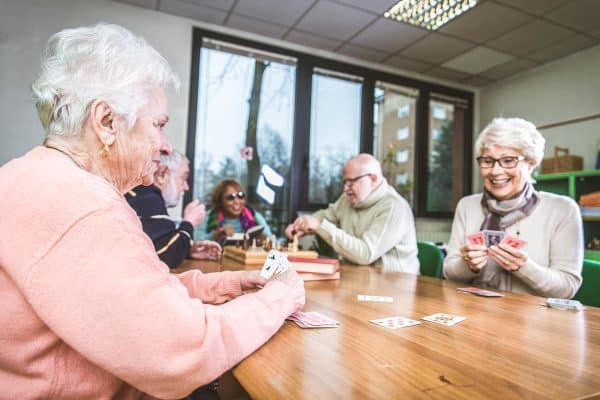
x,y
554,237
88,310
172,243
380,231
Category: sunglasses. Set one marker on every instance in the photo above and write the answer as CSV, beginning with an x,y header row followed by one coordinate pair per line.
x,y
233,196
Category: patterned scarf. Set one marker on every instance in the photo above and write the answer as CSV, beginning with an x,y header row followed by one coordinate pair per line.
x,y
498,216
501,214
216,219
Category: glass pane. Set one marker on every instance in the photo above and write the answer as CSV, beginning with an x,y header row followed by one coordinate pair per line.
x,y
334,133
394,135
244,129
441,136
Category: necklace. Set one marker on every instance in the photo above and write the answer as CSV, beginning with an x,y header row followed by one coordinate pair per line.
x,y
51,146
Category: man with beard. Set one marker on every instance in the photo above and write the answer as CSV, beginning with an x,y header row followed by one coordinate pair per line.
x,y
173,241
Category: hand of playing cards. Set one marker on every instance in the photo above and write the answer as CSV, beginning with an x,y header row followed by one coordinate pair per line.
x,y
275,264
312,319
494,238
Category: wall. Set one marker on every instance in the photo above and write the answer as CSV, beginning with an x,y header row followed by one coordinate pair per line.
x,y
26,25
564,90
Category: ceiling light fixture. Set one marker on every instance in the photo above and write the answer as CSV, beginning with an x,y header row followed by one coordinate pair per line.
x,y
429,14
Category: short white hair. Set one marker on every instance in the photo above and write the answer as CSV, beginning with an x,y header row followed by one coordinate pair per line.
x,y
101,62
515,133
173,161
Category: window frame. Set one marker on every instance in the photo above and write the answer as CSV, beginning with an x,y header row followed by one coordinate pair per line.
x,y
306,64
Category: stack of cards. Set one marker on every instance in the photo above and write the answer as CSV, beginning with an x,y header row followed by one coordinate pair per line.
x,y
275,264
564,304
395,322
444,319
383,299
479,292
494,238
312,319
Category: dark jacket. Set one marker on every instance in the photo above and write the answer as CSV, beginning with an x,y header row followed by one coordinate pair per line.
x,y
172,243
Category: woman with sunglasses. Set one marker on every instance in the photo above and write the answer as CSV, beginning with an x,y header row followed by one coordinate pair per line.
x,y
546,225
229,213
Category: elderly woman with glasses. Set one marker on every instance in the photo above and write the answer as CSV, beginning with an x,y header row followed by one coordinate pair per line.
x,y
88,310
229,213
546,254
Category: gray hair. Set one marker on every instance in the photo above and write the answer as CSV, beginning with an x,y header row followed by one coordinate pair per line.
x,y
107,62
515,133
173,161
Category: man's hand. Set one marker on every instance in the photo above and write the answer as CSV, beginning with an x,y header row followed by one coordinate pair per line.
x,y
306,224
205,250
194,212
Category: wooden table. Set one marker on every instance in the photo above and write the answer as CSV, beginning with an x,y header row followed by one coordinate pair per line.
x,y
509,347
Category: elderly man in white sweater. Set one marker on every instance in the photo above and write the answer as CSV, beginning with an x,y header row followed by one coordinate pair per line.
x,y
369,224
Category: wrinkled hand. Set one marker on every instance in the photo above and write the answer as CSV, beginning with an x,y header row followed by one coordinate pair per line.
x,y
296,287
508,257
205,250
194,212
475,255
290,232
306,224
251,280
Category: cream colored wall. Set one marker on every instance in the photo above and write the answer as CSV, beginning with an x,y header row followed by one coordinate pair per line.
x,y
564,90
25,26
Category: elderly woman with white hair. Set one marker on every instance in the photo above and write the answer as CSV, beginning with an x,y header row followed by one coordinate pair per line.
x,y
549,264
88,310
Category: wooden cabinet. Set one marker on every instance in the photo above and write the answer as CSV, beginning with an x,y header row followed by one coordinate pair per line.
x,y
574,184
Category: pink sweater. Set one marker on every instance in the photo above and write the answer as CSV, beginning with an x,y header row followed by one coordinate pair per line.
x,y
88,310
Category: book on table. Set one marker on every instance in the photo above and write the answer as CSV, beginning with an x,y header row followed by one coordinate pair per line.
x,y
314,265
311,276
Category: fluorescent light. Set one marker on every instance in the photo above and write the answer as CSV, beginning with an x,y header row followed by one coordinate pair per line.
x,y
429,14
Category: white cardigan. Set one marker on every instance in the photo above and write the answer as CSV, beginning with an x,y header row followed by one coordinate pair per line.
x,y
554,236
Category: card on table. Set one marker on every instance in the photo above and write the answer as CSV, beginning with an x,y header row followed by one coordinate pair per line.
x,y
492,238
479,291
383,299
312,319
476,238
444,319
513,241
395,322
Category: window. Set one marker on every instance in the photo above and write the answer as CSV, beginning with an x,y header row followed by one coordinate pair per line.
x,y
403,133
393,102
445,128
334,132
244,125
303,116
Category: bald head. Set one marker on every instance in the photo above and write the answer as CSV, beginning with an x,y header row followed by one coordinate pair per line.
x,y
365,164
361,175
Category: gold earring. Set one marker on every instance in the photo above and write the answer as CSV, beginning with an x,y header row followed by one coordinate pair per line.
x,y
104,151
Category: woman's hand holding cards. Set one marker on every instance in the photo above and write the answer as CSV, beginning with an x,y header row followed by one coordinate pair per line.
x,y
475,255
508,257
292,280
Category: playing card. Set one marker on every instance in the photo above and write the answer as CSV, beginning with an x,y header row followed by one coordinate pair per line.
x,y
476,238
513,241
492,238
480,292
444,319
271,265
383,299
312,319
395,322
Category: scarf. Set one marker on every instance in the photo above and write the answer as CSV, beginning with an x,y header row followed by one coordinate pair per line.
x,y
499,215
216,219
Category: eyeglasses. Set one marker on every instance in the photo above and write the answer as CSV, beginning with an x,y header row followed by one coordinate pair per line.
x,y
504,162
350,181
233,196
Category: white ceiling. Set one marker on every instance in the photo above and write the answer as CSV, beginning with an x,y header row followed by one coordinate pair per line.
x,y
494,40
